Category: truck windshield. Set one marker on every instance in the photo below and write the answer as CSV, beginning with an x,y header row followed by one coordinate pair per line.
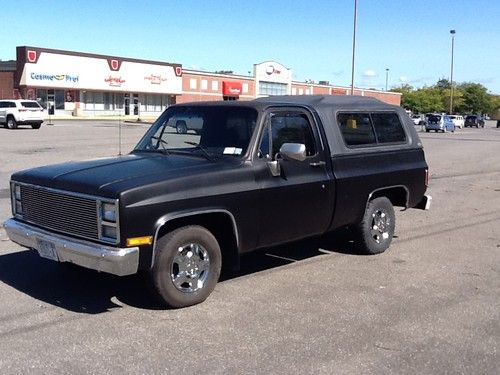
x,y
213,130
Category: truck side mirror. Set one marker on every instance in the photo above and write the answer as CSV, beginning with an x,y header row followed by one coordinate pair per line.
x,y
293,151
288,151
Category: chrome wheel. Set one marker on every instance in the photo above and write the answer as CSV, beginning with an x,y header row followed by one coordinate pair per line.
x,y
11,123
190,268
381,223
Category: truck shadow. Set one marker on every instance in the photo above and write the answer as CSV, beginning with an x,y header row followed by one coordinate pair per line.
x,y
89,292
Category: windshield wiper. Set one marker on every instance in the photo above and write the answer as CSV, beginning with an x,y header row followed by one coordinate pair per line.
x,y
198,147
163,143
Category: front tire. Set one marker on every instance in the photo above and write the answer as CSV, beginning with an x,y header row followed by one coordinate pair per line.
x,y
36,126
187,266
376,229
11,123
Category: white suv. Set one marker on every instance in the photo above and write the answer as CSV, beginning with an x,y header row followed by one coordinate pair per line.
x,y
457,120
14,112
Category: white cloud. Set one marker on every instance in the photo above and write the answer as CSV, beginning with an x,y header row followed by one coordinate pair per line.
x,y
369,73
403,79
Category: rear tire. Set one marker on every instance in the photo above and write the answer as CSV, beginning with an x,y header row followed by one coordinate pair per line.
x,y
186,267
11,123
36,126
375,231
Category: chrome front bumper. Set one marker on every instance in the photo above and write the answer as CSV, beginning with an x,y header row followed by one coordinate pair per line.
x,y
118,261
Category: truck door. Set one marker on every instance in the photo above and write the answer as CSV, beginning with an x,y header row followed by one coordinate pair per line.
x,y
295,203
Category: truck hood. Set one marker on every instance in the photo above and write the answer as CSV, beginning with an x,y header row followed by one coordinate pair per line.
x,y
108,177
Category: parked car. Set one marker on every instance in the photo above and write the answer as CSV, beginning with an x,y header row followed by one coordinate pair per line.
x,y
457,120
439,122
15,112
186,121
474,120
418,119
260,173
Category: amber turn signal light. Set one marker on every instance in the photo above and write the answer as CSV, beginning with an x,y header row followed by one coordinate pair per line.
x,y
137,241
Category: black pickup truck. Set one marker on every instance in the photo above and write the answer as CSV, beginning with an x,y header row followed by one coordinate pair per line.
x,y
181,206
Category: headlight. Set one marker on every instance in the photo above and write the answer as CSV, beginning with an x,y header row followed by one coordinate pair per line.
x,y
17,205
109,232
19,208
17,192
108,221
108,212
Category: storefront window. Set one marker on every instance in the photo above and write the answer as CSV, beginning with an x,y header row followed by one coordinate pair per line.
x,y
41,97
142,101
59,99
98,101
88,99
108,101
157,103
119,101
272,88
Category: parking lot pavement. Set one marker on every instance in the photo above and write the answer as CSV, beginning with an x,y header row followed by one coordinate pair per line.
x,y
430,304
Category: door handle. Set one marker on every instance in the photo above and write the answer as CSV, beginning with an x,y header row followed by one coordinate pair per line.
x,y
317,164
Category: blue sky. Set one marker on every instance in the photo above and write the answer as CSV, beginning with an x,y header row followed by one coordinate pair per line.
x,y
313,38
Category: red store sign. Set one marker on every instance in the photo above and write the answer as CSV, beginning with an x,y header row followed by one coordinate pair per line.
x,y
231,88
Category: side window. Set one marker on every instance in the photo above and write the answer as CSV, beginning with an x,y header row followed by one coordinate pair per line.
x,y
2,105
356,128
388,128
287,127
265,144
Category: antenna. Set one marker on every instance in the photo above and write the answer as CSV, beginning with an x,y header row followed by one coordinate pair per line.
x,y
119,133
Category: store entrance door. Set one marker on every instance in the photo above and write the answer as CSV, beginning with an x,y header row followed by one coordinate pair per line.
x,y
136,104
51,102
127,104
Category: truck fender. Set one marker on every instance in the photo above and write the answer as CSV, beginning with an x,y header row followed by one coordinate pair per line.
x,y
162,221
392,193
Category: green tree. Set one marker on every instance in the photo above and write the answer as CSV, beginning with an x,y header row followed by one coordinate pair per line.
x,y
475,98
494,110
426,99
443,84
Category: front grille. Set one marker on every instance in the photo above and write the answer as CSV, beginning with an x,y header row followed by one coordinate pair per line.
x,y
60,211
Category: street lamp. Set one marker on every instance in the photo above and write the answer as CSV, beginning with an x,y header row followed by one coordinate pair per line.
x,y
452,32
354,44
386,77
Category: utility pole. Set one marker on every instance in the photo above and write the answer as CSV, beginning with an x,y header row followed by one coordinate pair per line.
x,y
452,32
354,44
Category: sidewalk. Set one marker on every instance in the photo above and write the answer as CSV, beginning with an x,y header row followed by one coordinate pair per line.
x,y
128,119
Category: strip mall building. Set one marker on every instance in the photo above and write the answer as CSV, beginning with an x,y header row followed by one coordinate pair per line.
x,y
83,84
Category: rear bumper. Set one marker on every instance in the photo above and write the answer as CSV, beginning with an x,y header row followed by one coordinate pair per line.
x,y
27,121
118,261
434,127
425,203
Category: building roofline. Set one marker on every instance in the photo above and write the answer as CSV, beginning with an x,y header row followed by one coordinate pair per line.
x,y
94,55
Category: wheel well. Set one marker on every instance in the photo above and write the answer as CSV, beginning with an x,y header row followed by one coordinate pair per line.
x,y
220,225
398,195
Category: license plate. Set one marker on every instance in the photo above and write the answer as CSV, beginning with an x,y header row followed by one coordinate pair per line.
x,y
46,249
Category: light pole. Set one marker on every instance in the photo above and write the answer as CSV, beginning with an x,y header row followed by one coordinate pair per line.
x,y
354,44
452,32
386,77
